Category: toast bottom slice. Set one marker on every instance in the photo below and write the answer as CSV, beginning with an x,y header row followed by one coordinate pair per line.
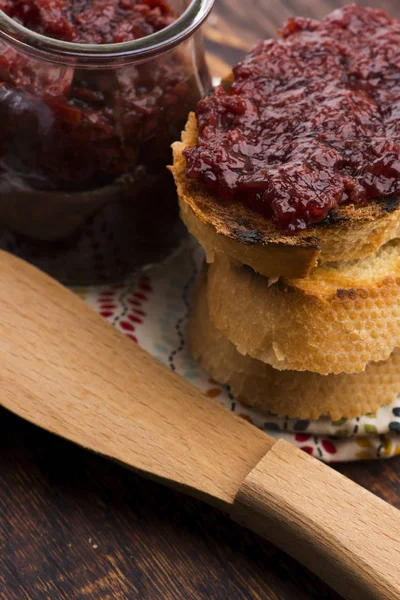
x,y
294,394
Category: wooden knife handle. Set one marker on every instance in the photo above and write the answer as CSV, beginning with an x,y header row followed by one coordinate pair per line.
x,y
340,531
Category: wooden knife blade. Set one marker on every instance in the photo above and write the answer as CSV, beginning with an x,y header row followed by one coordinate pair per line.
x,y
70,372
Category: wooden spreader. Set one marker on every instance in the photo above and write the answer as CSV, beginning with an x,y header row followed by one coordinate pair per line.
x,y
65,369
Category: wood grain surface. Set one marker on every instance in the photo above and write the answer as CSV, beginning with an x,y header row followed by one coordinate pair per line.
x,y
75,526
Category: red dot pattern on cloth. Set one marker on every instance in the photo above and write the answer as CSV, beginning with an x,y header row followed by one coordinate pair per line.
x,y
146,286
134,302
308,449
140,296
328,446
135,319
125,313
302,437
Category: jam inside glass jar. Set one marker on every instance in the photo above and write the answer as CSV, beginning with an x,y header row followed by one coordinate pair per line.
x,y
89,109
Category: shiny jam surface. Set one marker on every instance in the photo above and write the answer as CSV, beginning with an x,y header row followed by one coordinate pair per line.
x,y
311,121
91,21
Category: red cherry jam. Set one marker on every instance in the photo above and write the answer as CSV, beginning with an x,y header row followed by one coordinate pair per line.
x,y
87,126
91,21
310,122
85,193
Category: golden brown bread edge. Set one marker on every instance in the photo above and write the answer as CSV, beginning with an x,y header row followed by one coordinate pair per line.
x,y
340,318
295,394
235,231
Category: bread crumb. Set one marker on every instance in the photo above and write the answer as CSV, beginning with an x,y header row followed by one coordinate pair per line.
x,y
278,352
272,280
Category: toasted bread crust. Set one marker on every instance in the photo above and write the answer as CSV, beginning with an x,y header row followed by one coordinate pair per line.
x,y
339,319
295,394
244,236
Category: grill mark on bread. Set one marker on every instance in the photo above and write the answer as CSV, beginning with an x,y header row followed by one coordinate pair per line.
x,y
389,204
352,294
342,294
246,233
247,236
333,218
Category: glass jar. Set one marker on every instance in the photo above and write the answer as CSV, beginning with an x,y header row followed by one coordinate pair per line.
x,y
85,141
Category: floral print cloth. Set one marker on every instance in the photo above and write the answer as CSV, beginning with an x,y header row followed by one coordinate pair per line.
x,y
152,308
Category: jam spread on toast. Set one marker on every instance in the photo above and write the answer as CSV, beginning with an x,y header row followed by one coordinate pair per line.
x,y
311,120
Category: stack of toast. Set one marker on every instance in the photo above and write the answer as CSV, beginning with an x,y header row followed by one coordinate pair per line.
x,y
300,325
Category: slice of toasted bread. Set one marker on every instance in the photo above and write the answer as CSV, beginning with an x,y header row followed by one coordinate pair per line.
x,y
338,319
304,395
351,232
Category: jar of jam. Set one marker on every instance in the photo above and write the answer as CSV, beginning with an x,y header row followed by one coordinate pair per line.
x,y
92,94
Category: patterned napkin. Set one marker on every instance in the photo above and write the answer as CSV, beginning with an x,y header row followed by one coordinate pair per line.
x,y
152,309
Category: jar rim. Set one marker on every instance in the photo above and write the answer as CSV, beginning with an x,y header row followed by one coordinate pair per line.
x,y
60,51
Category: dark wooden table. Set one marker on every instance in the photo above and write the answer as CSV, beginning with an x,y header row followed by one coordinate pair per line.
x,y
74,526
